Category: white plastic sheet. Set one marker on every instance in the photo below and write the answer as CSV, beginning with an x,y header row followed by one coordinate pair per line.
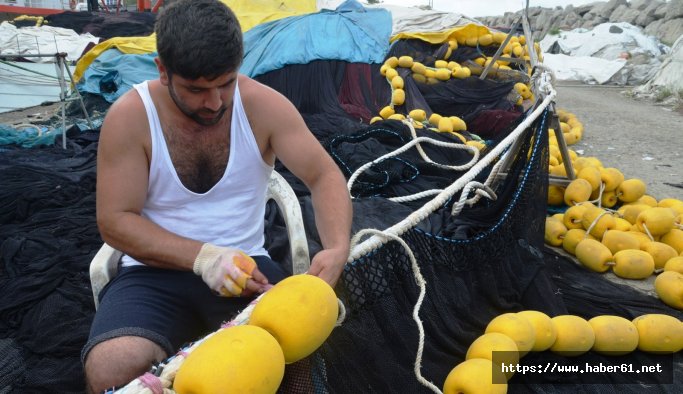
x,y
43,40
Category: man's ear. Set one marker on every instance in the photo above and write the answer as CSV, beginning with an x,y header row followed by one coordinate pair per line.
x,y
163,73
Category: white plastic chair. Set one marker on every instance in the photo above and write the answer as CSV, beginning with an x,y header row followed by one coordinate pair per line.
x,y
105,264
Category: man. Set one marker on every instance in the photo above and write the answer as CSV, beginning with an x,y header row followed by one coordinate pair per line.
x,y
182,172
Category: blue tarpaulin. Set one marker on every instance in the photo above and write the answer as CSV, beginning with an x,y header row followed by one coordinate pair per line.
x,y
113,73
350,33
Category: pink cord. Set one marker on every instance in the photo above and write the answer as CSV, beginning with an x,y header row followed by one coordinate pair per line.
x,y
152,382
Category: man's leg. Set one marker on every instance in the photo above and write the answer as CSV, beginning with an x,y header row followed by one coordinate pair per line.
x,y
145,315
118,361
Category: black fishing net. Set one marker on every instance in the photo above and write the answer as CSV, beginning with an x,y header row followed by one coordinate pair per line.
x,y
105,25
488,260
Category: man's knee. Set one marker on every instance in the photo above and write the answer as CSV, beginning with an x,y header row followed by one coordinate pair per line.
x,y
120,360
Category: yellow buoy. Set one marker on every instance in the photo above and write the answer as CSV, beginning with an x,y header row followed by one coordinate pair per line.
x,y
476,375
669,288
617,240
418,115
656,221
398,97
515,326
659,333
674,238
572,238
494,344
545,331
660,252
593,255
386,112
397,82
614,335
633,264
674,264
575,335
405,61
239,359
300,312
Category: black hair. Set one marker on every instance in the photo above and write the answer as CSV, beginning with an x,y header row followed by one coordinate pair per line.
x,y
199,38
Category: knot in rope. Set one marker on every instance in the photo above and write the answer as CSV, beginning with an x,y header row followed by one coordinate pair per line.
x,y
480,189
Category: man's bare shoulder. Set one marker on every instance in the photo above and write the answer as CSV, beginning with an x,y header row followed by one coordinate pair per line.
x,y
260,100
126,117
253,92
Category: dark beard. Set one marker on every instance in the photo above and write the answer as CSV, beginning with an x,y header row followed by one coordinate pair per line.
x,y
194,115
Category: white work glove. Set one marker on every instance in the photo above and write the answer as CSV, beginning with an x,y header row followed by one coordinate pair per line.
x,y
224,270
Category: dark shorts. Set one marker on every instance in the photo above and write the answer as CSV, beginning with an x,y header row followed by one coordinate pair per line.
x,y
170,308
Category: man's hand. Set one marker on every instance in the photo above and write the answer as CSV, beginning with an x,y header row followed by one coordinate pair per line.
x,y
228,271
328,265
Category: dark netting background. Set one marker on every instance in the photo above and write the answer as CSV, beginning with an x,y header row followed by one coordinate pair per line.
x,y
105,25
489,260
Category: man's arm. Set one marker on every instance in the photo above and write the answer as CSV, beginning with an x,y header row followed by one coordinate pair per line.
x,y
297,148
122,181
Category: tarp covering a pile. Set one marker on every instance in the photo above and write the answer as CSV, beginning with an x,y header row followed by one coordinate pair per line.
x,y
255,12
112,73
628,56
350,33
124,45
412,19
43,40
249,14
670,74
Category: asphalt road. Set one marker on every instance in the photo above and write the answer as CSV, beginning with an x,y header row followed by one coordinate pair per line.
x,y
640,138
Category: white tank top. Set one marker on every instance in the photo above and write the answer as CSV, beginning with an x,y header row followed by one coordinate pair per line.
x,y
232,212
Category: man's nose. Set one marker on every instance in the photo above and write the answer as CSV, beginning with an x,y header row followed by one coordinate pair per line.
x,y
213,100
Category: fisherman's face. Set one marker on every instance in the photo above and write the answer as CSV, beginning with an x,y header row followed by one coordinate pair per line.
x,y
202,100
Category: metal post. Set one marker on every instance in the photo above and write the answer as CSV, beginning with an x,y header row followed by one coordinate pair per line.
x,y
496,56
62,94
80,98
562,144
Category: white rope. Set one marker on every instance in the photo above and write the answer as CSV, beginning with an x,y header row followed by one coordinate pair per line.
x,y
409,145
648,232
416,196
599,199
423,154
30,126
342,313
417,216
422,284
481,189
489,181
590,228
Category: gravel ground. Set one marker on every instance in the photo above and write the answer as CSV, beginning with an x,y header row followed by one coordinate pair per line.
x,y
641,139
